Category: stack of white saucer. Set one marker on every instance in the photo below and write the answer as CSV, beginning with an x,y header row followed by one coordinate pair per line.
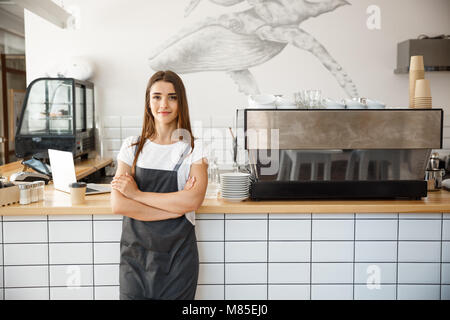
x,y
234,186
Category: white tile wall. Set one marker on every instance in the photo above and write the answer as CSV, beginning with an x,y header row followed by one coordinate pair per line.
x,y
72,293
446,230
331,292
15,232
111,122
211,251
289,251
419,229
107,217
289,292
289,216
106,274
376,216
211,273
106,253
384,292
332,251
245,230
71,275
245,251
70,253
375,272
27,294
332,230
445,292
131,121
382,251
242,256
107,293
26,276
70,217
70,231
107,230
289,273
246,292
376,230
210,292
333,216
332,272
25,254
418,292
415,251
446,273
236,273
209,230
289,229
445,251
244,216
418,273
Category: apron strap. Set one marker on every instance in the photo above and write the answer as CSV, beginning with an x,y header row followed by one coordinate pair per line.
x,y
135,147
183,155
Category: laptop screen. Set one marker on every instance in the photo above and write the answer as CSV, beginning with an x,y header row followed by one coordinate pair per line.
x,y
63,169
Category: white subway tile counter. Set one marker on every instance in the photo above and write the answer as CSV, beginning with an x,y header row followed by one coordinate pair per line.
x,y
241,256
279,253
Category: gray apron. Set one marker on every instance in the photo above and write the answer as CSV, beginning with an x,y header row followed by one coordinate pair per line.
x,y
158,259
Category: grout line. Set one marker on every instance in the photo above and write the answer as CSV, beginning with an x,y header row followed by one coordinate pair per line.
x,y
48,258
354,245
224,259
212,241
310,256
267,258
396,260
93,264
440,261
230,262
3,260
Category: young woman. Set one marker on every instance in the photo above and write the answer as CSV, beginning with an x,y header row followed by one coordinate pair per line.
x,y
160,181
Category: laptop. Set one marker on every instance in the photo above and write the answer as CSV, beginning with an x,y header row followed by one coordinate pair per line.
x,y
63,173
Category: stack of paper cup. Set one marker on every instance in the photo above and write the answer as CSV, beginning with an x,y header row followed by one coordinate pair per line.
x,y
416,72
422,96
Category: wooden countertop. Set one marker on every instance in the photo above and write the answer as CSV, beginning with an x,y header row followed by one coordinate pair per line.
x,y
57,202
83,168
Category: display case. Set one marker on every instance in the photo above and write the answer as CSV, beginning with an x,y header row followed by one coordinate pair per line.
x,y
58,113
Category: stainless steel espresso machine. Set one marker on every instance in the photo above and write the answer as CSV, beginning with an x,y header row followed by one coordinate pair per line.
x,y
337,154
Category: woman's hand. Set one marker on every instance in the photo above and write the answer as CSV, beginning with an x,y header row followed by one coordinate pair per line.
x,y
126,185
189,183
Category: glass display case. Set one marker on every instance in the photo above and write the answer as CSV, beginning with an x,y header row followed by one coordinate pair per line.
x,y
58,113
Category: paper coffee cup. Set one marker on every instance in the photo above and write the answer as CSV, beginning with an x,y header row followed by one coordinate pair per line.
x,y
416,63
77,192
414,75
422,89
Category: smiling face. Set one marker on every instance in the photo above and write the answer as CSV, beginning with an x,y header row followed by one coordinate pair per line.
x,y
164,102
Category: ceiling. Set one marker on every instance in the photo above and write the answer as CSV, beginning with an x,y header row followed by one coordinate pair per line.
x,y
11,17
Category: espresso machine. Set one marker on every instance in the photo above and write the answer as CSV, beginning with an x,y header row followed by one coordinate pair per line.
x,y
337,154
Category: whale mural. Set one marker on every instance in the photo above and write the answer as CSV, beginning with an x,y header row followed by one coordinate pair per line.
x,y
235,42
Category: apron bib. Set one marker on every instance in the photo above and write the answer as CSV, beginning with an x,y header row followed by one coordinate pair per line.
x,y
158,259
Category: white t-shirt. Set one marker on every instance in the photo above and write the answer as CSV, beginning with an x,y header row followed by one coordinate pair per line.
x,y
164,157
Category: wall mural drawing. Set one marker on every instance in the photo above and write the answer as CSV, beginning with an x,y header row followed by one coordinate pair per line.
x,y
235,42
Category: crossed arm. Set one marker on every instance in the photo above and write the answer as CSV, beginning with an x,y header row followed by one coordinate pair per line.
x,y
128,200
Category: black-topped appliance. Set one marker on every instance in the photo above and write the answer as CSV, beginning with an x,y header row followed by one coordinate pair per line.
x,y
337,154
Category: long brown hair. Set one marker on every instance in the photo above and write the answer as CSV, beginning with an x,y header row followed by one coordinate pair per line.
x,y
149,128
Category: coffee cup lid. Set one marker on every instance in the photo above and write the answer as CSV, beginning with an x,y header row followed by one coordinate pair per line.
x,y
77,185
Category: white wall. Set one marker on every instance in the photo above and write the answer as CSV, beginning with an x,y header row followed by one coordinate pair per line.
x,y
118,36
